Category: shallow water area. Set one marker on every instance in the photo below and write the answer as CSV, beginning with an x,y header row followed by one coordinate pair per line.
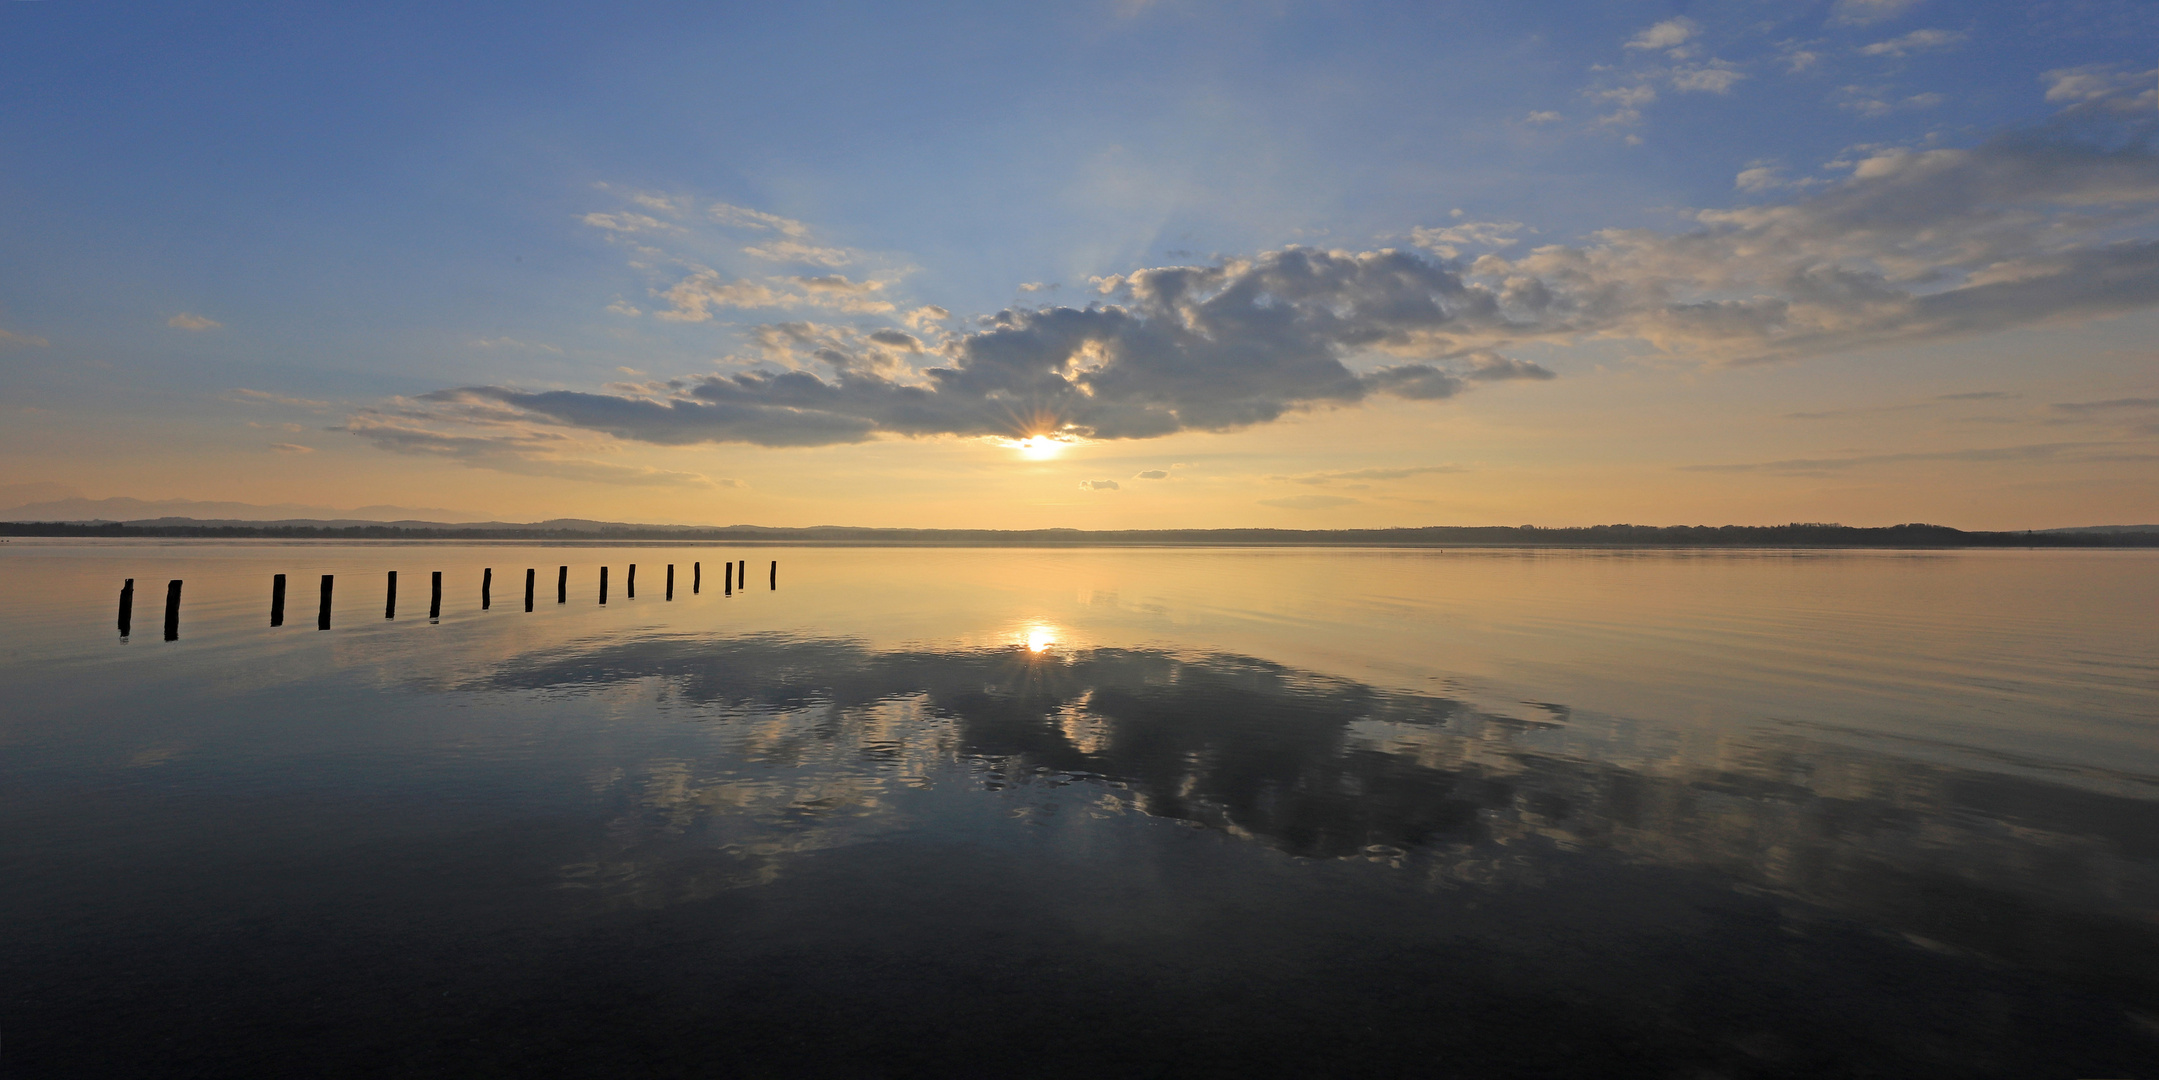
x,y
1159,812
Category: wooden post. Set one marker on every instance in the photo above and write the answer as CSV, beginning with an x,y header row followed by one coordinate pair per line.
x,y
775,575
127,607
629,583
697,577
742,574
530,573
730,583
322,617
487,588
670,581
172,610
434,600
562,585
603,584
277,600
389,605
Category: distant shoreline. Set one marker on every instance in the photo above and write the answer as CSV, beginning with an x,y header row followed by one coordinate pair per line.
x,y
1596,536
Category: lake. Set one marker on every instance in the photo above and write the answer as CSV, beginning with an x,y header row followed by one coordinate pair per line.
x,y
1084,811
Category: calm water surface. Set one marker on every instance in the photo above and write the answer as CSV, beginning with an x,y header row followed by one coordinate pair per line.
x,y
1126,812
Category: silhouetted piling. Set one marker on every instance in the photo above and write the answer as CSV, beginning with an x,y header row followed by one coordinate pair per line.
x,y
670,581
127,607
697,578
277,600
322,617
742,574
775,583
562,585
728,586
603,584
434,600
172,610
487,588
530,574
389,604
629,583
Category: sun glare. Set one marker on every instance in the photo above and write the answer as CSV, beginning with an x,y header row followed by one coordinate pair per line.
x,y
1040,638
1038,447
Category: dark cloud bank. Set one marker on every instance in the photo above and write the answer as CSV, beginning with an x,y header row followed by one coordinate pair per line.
x,y
2026,229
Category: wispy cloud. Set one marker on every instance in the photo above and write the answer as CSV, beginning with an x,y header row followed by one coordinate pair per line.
x,y
1366,475
1098,485
1868,12
1916,41
2039,452
514,345
265,396
1309,502
480,434
10,340
291,448
185,321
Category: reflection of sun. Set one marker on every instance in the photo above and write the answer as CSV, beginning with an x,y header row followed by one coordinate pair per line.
x,y
1040,638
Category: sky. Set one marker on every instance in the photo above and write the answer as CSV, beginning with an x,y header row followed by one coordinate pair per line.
x,y
1117,264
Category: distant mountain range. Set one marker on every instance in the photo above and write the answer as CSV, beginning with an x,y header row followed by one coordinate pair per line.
x,y
578,529
126,509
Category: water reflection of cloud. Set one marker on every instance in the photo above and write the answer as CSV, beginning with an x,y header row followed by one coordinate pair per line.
x,y
2046,874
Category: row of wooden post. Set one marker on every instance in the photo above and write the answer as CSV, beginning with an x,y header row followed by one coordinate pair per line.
x,y
738,570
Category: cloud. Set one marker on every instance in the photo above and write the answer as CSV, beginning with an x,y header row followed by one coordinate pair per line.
x,y
1542,116
1916,41
266,396
2046,452
2105,86
695,298
1152,474
2031,228
185,321
798,252
629,223
1309,502
1447,241
1868,12
21,341
291,448
624,307
1668,34
2111,405
742,217
1098,485
513,343
1874,102
1714,77
1376,474
484,435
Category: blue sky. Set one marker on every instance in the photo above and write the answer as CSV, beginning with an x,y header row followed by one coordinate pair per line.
x,y
262,243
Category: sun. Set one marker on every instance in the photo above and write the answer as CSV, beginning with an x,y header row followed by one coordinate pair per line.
x,y
1038,447
1040,638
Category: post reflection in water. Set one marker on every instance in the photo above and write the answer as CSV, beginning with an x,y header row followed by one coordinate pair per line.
x,y
1094,834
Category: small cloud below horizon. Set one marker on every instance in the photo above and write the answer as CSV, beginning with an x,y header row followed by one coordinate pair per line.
x,y
1152,474
1098,485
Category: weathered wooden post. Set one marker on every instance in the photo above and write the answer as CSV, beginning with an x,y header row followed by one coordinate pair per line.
x,y
530,573
603,584
277,600
629,583
670,581
487,588
742,574
389,605
434,600
697,577
775,576
730,576
127,607
172,610
562,585
322,617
